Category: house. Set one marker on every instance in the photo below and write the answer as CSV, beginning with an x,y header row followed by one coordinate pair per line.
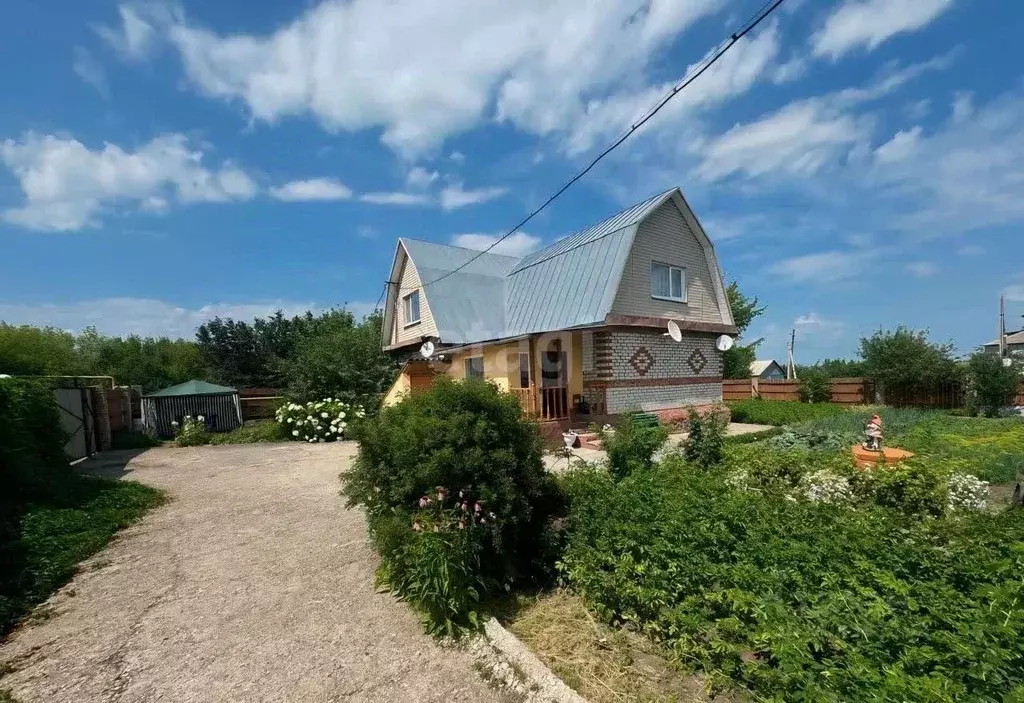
x,y
767,370
577,329
1014,344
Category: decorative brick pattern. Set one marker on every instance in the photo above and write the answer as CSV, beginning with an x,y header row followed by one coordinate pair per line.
x,y
696,361
642,360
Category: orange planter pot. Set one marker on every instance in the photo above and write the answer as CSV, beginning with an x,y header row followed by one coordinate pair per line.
x,y
867,459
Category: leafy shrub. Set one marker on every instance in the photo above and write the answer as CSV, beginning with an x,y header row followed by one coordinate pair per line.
x,y
191,432
781,412
326,420
802,600
461,436
826,487
263,431
631,446
705,443
809,438
815,387
992,384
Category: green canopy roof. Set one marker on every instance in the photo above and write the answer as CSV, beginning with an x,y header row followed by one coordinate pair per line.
x,y
193,387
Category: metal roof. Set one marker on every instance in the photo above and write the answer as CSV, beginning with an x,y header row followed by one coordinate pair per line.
x,y
1011,338
571,283
192,387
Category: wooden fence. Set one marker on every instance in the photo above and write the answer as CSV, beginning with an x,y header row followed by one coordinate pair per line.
x,y
848,391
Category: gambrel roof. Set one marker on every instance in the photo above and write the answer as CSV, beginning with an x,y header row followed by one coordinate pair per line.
x,y
571,283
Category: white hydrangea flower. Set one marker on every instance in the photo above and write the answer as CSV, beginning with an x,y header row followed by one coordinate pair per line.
x,y
201,418
295,433
324,415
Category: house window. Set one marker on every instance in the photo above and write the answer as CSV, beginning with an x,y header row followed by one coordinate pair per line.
x,y
668,282
412,308
475,367
524,370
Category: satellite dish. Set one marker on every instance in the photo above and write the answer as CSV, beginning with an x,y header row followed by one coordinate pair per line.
x,y
674,332
3,375
427,349
724,343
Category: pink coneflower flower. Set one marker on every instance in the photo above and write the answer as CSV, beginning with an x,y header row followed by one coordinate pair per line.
x,y
465,506
476,508
441,492
462,525
424,502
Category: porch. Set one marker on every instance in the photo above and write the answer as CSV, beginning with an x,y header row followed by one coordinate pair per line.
x,y
546,375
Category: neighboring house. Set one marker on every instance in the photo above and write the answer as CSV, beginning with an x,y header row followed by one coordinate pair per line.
x,y
1014,344
767,370
577,328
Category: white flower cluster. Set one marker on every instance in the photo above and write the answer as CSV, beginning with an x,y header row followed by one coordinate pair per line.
x,y
738,480
966,492
826,487
319,421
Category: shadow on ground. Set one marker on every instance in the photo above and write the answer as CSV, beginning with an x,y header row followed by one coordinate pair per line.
x,y
110,464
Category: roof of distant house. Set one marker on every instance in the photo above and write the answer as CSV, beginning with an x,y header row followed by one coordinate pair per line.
x,y
192,387
1011,338
761,365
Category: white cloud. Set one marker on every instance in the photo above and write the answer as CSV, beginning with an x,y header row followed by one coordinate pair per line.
x,y
823,267
458,157
137,36
517,244
800,140
814,324
89,70
312,189
922,269
145,316
402,67
396,198
454,196
67,186
1014,293
902,146
868,23
420,177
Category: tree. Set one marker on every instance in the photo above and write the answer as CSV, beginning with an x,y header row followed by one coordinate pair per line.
x,y
993,385
908,359
339,357
736,362
140,361
34,351
833,368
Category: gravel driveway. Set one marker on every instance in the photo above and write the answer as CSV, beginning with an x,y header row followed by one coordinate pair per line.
x,y
253,584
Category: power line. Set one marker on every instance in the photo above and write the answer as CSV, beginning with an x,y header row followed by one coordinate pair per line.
x,y
766,10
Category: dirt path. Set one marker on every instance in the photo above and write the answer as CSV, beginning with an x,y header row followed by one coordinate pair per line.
x,y
252,584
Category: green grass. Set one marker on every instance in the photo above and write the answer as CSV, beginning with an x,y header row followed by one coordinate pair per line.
x,y
78,520
782,412
265,431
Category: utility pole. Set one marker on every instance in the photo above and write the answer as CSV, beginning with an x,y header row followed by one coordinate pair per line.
x,y
790,358
1002,327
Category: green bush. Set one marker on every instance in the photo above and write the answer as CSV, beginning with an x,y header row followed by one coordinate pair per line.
x,y
705,444
800,600
809,438
262,431
782,412
191,432
130,439
631,446
465,450
815,387
993,385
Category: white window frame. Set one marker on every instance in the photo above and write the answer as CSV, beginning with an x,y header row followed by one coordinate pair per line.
x,y
466,366
682,282
407,309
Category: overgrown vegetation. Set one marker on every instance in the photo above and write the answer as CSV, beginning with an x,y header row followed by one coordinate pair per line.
x,y
631,445
705,445
781,412
904,358
254,433
815,387
993,385
457,499
50,517
310,356
798,594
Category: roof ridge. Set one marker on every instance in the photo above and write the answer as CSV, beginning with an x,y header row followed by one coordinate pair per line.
x,y
456,246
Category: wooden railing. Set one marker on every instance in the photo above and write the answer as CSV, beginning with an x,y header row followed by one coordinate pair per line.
x,y
547,403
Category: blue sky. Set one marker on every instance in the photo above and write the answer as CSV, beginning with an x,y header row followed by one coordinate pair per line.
x,y
859,163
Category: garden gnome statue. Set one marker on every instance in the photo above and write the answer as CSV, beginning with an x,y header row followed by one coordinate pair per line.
x,y
873,434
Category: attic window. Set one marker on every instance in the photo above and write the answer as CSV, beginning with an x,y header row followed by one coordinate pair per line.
x,y
668,282
411,303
